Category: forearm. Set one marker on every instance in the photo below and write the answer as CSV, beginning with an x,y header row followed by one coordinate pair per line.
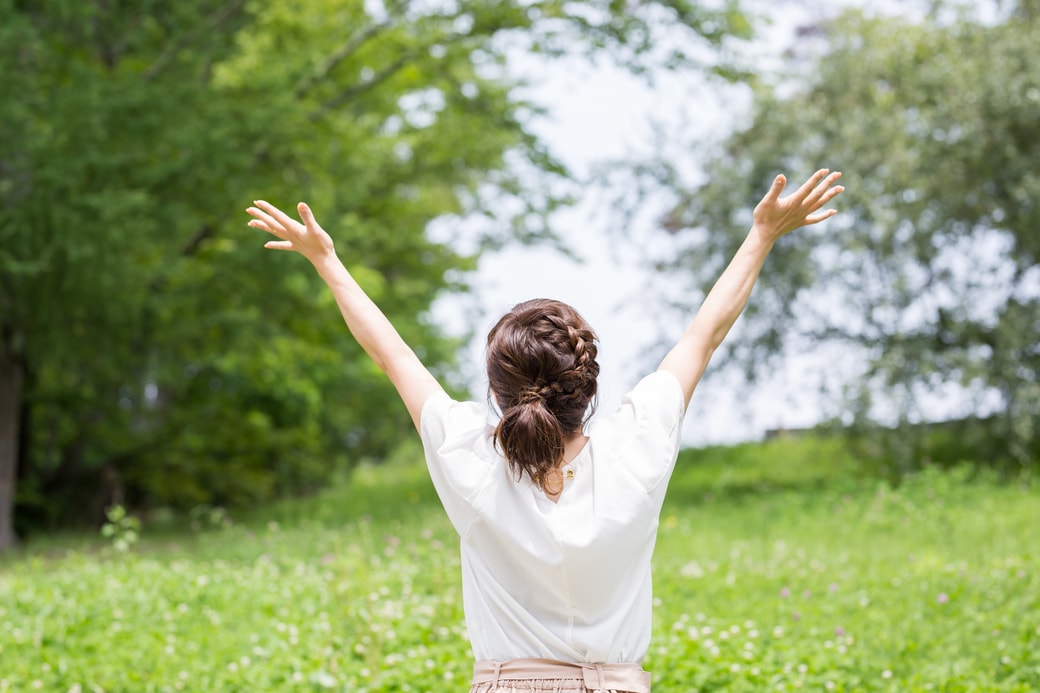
x,y
366,322
378,337
729,296
727,299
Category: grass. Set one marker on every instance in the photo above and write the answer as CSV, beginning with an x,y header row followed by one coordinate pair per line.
x,y
779,567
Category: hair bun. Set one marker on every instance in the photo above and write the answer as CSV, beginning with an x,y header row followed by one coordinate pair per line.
x,y
530,395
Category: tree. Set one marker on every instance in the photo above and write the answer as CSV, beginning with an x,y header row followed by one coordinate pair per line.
x,y
931,279
150,352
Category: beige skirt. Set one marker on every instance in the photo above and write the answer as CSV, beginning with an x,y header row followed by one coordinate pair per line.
x,y
551,676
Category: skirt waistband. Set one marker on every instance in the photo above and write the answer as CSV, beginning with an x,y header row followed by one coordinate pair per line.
x,y
624,677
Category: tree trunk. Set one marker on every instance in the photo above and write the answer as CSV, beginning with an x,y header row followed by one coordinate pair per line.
x,y
12,376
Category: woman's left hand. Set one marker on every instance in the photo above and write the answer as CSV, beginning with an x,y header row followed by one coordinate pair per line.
x,y
775,217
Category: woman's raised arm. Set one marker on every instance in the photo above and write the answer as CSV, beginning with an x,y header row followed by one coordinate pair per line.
x,y
366,322
773,218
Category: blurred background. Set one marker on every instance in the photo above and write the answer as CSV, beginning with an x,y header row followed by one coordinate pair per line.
x,y
466,155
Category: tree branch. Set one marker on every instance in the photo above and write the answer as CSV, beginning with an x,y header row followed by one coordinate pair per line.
x,y
215,20
338,56
198,238
357,89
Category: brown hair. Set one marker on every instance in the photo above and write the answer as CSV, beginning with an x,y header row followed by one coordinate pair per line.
x,y
542,369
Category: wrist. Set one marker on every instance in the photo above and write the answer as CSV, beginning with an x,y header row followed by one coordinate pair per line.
x,y
763,235
327,264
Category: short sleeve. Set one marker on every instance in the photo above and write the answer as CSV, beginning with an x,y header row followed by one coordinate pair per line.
x,y
460,453
647,428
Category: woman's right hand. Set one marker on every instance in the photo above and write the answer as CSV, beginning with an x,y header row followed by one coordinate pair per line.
x,y
307,239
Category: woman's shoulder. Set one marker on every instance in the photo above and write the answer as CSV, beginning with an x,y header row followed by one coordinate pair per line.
x,y
657,401
450,423
643,434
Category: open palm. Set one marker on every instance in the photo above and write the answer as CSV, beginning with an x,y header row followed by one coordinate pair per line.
x,y
775,216
307,239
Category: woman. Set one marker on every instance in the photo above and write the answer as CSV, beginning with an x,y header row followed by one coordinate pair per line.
x,y
557,521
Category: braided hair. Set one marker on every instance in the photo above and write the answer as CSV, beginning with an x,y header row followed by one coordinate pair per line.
x,y
542,370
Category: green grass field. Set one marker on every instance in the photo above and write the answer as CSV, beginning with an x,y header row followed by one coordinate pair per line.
x,y
778,568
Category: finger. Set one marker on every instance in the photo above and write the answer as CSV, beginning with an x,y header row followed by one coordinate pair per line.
x,y
810,185
822,188
816,201
268,226
779,183
275,213
830,194
307,215
820,216
279,245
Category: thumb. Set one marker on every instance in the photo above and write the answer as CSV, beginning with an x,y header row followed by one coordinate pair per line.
x,y
306,215
779,183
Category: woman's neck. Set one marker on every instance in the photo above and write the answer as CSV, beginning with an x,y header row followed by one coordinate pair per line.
x,y
572,446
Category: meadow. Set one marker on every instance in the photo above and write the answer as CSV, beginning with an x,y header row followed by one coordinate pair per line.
x,y
780,566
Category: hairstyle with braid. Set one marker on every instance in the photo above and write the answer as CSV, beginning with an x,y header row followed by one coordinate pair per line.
x,y
542,370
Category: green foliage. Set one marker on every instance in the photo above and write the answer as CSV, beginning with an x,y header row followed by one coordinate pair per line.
x,y
121,529
929,276
168,359
776,568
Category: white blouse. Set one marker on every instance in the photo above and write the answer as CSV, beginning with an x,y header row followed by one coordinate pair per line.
x,y
567,580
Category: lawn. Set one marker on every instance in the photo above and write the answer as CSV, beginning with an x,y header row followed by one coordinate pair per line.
x,y
779,567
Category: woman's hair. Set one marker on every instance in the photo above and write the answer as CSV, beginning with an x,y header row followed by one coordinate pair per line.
x,y
542,369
